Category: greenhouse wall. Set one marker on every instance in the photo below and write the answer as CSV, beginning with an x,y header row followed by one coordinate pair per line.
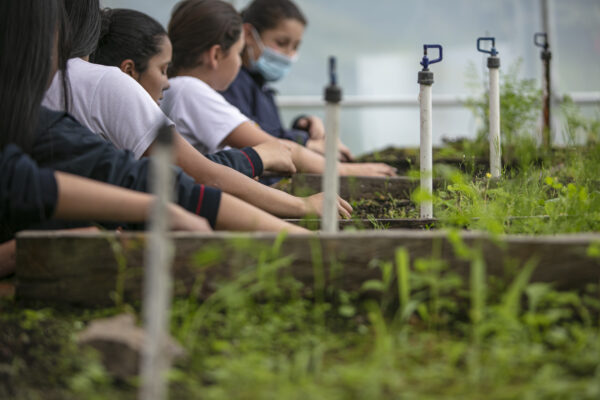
x,y
379,46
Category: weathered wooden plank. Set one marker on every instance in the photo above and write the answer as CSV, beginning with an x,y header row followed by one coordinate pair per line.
x,y
360,187
82,269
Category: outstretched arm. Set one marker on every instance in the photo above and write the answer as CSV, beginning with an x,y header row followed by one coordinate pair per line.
x,y
85,199
237,215
80,198
305,160
271,200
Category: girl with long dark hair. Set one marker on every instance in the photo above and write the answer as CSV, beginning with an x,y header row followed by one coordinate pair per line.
x,y
29,194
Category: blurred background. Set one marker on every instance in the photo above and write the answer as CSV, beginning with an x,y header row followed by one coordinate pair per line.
x,y
379,43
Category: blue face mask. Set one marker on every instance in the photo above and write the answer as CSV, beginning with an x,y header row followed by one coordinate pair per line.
x,y
271,64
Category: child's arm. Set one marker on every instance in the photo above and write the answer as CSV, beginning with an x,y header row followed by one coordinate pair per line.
x,y
85,199
305,160
318,146
311,124
271,200
237,215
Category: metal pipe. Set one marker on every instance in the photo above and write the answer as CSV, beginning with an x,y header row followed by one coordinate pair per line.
x,y
408,101
493,63
547,103
426,151
157,276
425,81
331,179
495,145
541,40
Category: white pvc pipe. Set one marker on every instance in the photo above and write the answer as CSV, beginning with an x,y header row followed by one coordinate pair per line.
x,y
426,150
157,281
331,180
408,101
495,143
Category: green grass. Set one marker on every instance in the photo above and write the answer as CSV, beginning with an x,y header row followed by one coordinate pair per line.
x,y
420,331
565,198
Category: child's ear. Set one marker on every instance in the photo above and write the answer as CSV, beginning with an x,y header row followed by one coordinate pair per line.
x,y
248,36
214,56
128,66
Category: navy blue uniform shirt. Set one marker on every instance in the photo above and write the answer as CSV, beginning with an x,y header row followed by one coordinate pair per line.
x,y
28,194
255,99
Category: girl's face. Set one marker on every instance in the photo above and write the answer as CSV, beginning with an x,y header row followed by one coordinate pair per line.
x,y
229,66
285,38
154,79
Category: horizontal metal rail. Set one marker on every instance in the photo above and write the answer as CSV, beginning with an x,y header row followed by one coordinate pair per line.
x,y
411,101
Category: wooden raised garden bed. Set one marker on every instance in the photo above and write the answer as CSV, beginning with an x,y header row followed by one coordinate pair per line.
x,y
87,269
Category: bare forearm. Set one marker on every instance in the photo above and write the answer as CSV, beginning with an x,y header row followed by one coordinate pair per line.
x,y
84,199
229,181
237,215
306,160
271,200
249,134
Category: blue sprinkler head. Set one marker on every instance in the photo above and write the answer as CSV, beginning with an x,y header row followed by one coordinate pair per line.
x,y
541,40
332,71
426,62
333,93
493,52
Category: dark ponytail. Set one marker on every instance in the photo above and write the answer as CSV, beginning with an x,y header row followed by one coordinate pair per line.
x,y
267,14
84,22
197,25
26,64
128,34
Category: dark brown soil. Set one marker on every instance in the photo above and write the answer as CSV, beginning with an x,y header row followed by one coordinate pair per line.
x,y
40,358
384,208
405,159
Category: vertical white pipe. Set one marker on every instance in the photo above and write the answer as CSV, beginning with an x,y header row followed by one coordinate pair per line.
x,y
495,144
157,280
548,22
426,150
331,180
545,11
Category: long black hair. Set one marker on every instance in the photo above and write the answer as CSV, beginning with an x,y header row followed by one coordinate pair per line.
x,y
128,34
267,14
197,25
84,23
28,31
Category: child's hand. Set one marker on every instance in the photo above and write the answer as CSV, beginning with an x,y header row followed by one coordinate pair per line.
x,y
318,146
313,125
366,169
314,205
345,154
276,156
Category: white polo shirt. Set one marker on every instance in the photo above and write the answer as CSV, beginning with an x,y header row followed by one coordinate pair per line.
x,y
201,114
110,103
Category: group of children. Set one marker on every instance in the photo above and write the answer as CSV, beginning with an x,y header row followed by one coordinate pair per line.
x,y
84,91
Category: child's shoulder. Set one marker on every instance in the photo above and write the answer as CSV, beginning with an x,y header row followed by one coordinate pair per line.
x,y
188,83
190,87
